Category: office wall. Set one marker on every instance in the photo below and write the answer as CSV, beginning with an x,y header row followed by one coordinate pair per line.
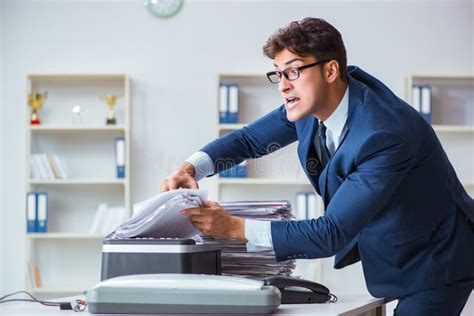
x,y
173,64
2,222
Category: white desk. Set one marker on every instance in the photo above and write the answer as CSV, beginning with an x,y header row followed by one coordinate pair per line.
x,y
346,305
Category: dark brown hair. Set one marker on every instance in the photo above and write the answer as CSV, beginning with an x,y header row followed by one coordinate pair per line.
x,y
310,37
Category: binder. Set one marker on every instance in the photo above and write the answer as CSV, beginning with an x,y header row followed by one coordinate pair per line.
x,y
426,103
313,208
223,103
31,212
233,115
416,102
120,157
422,101
301,209
42,212
238,171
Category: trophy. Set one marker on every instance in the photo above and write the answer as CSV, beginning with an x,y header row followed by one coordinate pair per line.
x,y
110,100
36,101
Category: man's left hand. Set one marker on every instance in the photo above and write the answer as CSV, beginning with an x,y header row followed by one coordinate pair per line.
x,y
214,221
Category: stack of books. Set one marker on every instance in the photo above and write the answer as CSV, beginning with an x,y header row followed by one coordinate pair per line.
x,y
47,166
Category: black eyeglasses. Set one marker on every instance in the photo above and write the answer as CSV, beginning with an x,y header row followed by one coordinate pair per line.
x,y
291,73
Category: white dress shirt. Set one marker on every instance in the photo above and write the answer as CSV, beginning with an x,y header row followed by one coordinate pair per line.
x,y
258,233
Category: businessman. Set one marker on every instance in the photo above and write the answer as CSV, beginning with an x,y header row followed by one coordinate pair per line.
x,y
392,198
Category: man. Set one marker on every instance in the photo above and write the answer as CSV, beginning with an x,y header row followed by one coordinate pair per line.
x,y
392,198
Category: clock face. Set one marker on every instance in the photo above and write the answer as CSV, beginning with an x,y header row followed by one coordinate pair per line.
x,y
164,8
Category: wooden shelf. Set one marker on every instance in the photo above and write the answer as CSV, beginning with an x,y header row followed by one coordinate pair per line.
x,y
63,236
267,181
77,181
78,128
74,77
454,128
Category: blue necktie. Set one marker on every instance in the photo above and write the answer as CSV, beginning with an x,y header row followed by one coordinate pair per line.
x,y
322,144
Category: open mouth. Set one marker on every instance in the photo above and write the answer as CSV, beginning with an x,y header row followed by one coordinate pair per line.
x,y
291,102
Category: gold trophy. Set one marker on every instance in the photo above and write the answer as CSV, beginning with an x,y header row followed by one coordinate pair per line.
x,y
36,101
111,100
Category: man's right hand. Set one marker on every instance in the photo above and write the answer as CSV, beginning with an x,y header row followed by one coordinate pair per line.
x,y
182,178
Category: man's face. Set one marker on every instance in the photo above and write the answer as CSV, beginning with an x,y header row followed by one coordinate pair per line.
x,y
304,95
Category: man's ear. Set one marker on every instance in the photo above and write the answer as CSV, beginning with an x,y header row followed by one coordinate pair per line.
x,y
331,71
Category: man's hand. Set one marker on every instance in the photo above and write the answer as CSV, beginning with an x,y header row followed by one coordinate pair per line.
x,y
182,178
214,221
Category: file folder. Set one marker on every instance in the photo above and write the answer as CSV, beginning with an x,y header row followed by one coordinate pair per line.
x,y
31,212
301,211
223,101
416,102
233,116
120,157
42,212
313,208
426,103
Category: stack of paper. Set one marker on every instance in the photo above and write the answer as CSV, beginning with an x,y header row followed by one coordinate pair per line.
x,y
257,262
160,217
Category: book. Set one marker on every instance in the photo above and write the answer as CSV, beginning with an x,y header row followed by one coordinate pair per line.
x,y
61,167
37,277
99,219
28,275
53,166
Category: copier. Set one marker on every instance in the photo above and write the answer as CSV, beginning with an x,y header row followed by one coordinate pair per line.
x,y
144,255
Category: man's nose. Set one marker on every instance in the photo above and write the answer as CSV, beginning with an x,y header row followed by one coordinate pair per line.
x,y
284,85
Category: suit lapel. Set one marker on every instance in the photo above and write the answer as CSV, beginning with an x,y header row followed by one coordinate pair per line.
x,y
355,99
307,152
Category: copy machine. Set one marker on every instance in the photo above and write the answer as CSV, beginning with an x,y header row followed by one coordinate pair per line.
x,y
158,255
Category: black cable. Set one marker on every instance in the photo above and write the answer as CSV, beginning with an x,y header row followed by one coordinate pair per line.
x,y
79,305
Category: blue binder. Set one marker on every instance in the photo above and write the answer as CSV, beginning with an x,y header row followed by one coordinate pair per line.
x,y
31,212
41,212
238,171
229,103
120,157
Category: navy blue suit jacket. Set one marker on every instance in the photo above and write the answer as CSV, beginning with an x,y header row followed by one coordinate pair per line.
x,y
393,199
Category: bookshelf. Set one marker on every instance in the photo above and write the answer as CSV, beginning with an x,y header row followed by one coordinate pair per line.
x,y
68,255
452,114
277,176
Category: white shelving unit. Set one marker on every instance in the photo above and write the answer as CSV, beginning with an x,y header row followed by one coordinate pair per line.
x,y
277,176
68,256
452,112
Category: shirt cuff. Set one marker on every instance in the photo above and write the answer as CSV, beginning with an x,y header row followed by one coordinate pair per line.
x,y
202,163
259,235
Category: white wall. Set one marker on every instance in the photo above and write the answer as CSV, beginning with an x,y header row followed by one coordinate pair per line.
x,y
2,222
173,64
